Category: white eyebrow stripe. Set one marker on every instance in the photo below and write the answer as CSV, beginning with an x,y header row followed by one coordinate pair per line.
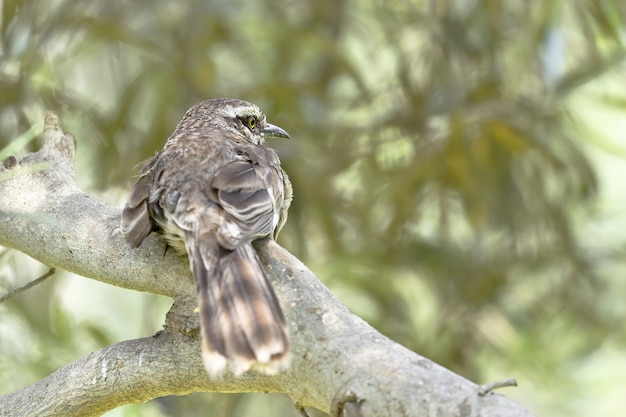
x,y
236,111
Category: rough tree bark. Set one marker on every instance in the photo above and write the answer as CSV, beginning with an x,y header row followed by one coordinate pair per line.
x,y
340,364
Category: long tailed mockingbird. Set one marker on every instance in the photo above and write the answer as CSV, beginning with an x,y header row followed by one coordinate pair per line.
x,y
211,191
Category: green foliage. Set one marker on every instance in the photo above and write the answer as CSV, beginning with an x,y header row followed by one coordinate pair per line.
x,y
439,172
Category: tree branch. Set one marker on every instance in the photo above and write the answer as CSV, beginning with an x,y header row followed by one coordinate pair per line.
x,y
340,364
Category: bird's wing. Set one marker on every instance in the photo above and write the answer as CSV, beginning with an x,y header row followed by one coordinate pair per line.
x,y
136,220
250,195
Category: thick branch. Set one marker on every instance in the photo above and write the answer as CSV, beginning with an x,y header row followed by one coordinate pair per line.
x,y
341,365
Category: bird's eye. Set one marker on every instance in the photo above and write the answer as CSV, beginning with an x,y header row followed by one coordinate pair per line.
x,y
251,122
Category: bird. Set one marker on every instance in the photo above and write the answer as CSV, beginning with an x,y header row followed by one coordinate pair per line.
x,y
210,192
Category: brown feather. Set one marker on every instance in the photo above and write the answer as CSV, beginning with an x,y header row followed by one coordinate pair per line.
x,y
136,220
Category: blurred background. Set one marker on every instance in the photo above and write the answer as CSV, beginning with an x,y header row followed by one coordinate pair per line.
x,y
458,172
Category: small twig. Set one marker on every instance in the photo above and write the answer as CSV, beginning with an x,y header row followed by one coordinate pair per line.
x,y
301,410
27,286
487,388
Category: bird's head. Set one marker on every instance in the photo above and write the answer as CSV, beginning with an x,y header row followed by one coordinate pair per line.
x,y
236,116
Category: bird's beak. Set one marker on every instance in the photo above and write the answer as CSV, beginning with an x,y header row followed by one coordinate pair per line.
x,y
272,131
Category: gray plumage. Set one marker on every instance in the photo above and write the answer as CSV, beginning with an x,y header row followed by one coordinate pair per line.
x,y
212,190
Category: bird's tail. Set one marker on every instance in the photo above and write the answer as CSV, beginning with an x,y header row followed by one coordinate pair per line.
x,y
241,320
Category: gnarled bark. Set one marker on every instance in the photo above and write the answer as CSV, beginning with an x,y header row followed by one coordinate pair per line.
x,y
340,364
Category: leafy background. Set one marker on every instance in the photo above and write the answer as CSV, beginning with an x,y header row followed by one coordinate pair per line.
x,y
457,170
